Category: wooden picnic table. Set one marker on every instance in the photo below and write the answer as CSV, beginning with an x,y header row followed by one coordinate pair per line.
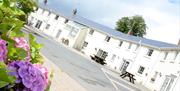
x,y
98,59
127,74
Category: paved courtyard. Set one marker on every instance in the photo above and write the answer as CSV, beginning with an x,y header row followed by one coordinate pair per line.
x,y
90,75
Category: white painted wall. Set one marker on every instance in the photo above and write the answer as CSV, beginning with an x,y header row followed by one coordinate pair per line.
x,y
136,55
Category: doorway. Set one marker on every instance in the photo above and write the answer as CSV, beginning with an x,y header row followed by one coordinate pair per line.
x,y
124,66
58,34
167,84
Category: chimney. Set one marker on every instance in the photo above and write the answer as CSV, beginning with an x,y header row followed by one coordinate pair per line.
x,y
74,12
130,32
179,42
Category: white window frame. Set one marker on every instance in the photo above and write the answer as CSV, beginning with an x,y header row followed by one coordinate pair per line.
x,y
141,69
165,55
150,52
47,26
120,43
85,44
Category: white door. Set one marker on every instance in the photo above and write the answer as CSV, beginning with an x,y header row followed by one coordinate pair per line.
x,y
167,84
124,66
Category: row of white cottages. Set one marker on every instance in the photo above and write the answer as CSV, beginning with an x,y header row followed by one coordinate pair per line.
x,y
155,64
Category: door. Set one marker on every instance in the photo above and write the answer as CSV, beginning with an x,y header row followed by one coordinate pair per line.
x,y
124,66
58,34
167,84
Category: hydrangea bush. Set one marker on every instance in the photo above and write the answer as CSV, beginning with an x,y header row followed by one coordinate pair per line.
x,y
21,66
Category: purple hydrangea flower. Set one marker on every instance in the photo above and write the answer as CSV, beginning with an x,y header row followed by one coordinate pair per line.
x,y
27,74
3,50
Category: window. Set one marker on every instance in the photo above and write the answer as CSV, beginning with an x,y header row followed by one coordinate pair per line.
x,y
141,70
47,26
120,43
38,24
113,57
57,16
175,55
150,51
68,27
91,32
107,38
85,44
130,44
154,77
73,32
165,55
59,33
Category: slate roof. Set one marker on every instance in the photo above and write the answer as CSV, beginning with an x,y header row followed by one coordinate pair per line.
x,y
112,32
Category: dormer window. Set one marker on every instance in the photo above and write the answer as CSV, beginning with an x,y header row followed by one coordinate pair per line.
x,y
150,51
57,16
66,21
91,31
107,39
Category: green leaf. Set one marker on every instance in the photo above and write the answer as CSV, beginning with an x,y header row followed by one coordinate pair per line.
x,y
5,78
4,27
16,53
6,3
1,15
2,65
17,33
3,84
21,53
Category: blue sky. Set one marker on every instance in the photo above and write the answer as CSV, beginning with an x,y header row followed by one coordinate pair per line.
x,y
162,16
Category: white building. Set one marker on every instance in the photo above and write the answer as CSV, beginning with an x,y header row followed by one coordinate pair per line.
x,y
155,64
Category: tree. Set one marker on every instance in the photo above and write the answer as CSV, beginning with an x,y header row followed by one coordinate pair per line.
x,y
134,25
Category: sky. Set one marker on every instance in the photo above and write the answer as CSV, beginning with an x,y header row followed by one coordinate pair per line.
x,y
161,16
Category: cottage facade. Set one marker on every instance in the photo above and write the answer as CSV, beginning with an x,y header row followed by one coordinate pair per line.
x,y
155,64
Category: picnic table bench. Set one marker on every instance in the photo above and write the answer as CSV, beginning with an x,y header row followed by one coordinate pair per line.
x,y
127,74
98,59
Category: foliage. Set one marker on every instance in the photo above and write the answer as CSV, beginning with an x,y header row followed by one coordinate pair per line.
x,y
14,48
35,48
134,25
5,78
